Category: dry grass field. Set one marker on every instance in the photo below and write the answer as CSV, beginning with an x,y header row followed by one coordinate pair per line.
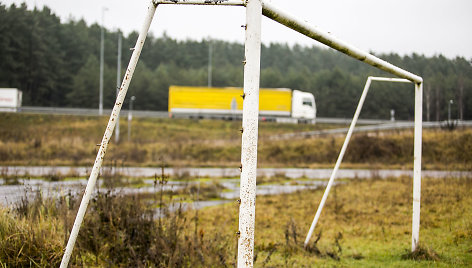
x,y
72,140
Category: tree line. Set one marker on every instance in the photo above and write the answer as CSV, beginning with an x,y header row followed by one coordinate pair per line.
x,y
56,63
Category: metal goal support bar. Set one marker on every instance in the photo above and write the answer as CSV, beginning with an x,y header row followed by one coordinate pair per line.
x,y
107,135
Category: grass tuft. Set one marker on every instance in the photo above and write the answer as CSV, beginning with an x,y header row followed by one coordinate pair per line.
x,y
421,253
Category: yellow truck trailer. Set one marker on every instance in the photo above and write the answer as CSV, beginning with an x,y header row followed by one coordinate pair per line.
x,y
227,101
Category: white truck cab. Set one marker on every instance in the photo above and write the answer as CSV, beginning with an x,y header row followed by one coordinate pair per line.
x,y
303,105
10,99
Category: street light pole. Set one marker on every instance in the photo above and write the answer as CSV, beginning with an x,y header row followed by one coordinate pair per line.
x,y
449,111
102,49
130,116
118,85
209,63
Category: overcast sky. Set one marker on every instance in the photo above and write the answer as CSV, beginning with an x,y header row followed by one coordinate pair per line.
x,y
428,27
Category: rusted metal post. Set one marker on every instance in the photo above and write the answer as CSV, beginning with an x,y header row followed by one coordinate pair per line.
x,y
247,209
343,149
415,225
108,132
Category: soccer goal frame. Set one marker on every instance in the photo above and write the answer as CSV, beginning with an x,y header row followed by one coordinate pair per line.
x,y
417,158
254,11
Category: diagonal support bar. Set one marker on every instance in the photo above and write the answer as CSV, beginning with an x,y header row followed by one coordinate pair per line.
x,y
107,135
338,162
319,35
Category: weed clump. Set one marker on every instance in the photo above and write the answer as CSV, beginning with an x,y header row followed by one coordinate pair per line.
x,y
118,230
421,253
123,230
334,252
24,246
30,234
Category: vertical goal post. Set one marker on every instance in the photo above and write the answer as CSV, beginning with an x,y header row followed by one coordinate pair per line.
x,y
254,10
250,120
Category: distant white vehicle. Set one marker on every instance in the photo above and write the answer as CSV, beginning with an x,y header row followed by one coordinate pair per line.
x,y
10,99
303,105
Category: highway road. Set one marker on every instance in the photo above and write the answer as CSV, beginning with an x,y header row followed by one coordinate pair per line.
x,y
364,125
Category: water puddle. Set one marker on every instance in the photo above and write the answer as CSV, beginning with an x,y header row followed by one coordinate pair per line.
x,y
297,179
28,188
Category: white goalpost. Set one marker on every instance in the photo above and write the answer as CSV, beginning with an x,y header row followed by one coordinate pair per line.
x,y
254,11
